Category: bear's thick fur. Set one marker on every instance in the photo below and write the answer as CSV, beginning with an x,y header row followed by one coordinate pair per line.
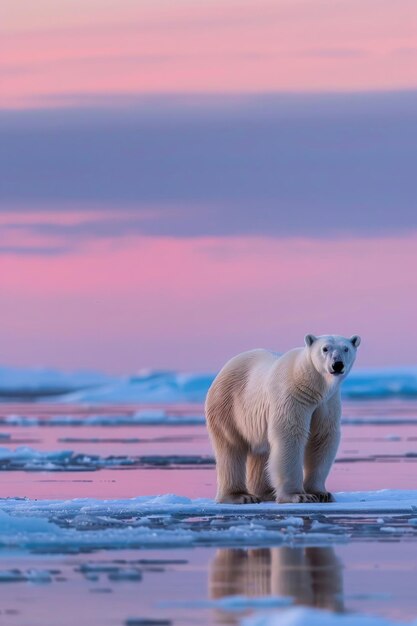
x,y
274,421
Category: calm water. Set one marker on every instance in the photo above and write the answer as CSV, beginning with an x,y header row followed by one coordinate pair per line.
x,y
371,572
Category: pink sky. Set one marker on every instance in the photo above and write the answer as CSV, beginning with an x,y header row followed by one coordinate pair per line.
x,y
125,302
192,303
109,48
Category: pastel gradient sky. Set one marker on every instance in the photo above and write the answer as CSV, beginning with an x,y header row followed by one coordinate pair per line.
x,y
182,180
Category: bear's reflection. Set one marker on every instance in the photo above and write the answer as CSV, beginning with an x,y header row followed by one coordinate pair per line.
x,y
311,576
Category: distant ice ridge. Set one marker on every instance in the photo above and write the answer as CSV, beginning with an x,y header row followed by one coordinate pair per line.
x,y
298,616
148,387
174,387
31,383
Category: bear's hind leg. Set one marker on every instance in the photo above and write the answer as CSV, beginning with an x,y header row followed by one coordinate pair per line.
x,y
231,474
256,477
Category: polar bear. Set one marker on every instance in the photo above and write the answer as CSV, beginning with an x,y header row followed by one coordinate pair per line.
x,y
270,417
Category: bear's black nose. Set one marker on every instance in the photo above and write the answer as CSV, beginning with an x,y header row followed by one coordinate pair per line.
x,y
338,367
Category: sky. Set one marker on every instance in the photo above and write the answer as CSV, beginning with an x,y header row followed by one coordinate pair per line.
x,y
182,181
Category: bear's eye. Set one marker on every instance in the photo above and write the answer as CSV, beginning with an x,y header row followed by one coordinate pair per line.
x,y
325,349
345,349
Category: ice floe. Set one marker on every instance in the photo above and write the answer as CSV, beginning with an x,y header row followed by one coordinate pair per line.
x,y
31,460
140,418
236,603
298,616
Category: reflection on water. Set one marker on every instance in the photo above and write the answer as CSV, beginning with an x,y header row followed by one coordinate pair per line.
x,y
312,576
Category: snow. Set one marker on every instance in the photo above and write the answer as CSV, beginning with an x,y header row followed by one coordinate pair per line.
x,y
298,616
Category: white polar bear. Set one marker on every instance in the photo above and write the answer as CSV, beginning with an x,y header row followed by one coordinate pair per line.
x,y
270,416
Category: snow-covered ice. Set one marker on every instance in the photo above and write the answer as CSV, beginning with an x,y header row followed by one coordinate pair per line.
x,y
170,520
375,502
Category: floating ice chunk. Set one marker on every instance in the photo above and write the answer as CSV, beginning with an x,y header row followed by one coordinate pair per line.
x,y
38,577
316,525
314,617
169,498
125,574
291,521
28,459
233,603
239,603
14,525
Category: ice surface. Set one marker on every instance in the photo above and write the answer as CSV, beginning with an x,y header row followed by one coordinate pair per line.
x,y
298,616
176,521
376,502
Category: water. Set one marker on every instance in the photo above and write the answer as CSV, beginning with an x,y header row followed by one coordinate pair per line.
x,y
361,561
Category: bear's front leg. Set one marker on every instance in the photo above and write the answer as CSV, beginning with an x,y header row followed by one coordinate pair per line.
x,y
287,439
321,449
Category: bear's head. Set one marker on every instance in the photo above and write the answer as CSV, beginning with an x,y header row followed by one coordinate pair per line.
x,y
331,354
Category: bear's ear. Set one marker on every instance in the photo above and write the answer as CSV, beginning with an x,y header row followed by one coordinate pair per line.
x,y
355,341
309,340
